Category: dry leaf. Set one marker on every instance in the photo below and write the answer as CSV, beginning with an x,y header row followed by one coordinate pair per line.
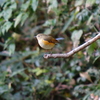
x,y
72,82
16,36
86,75
94,97
9,85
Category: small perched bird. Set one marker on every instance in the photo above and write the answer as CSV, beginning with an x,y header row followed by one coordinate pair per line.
x,y
46,41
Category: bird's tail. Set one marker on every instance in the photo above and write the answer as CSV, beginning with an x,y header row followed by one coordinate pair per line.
x,y
61,38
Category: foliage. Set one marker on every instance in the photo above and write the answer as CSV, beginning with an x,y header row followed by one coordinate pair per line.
x,y
24,73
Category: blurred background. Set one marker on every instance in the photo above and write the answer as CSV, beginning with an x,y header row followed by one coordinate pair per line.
x,y
25,74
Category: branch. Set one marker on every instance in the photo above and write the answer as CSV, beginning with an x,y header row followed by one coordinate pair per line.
x,y
66,55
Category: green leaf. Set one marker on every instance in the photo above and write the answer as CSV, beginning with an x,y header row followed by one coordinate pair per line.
x,y
1,44
47,92
98,42
48,31
3,89
11,48
7,14
76,35
10,45
78,2
24,17
89,20
7,25
17,72
18,19
67,23
65,1
48,81
8,41
25,6
96,59
13,6
39,71
50,22
54,3
89,2
34,4
91,48
6,5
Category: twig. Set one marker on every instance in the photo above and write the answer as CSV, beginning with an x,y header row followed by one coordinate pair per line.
x,y
66,55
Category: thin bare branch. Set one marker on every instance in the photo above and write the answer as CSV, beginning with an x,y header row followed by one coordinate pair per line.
x,y
66,55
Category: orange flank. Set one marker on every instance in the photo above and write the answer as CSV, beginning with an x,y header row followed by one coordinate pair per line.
x,y
47,43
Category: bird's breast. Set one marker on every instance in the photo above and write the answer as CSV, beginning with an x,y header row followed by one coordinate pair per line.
x,y
45,44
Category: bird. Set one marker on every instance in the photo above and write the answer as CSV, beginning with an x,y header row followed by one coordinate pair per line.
x,y
46,41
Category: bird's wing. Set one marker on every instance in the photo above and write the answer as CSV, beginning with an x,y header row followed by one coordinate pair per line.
x,y
50,39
